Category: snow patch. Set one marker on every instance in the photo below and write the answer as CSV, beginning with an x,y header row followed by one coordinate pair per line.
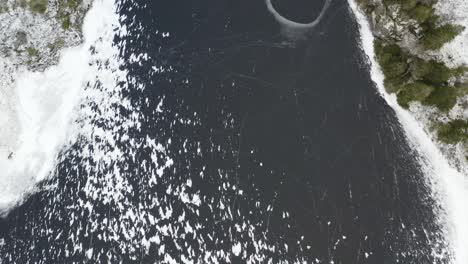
x,y
237,249
455,53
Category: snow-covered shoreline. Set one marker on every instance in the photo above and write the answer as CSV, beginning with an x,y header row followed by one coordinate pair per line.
x,y
449,186
453,54
41,108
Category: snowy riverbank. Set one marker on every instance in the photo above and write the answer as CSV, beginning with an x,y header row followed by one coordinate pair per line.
x,y
39,108
449,185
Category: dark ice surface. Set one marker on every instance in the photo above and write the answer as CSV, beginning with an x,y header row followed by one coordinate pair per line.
x,y
297,125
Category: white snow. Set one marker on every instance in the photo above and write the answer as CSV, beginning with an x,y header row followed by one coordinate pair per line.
x,y
237,249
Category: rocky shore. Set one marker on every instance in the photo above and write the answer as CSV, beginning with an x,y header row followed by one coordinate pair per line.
x,y
410,37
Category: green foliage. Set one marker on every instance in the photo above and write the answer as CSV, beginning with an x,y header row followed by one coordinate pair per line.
x,y
391,2
393,62
393,85
462,89
432,71
21,38
460,71
417,91
420,69
391,58
443,97
421,13
32,52
66,22
408,4
57,44
65,8
22,3
70,5
3,7
395,68
435,75
435,37
38,6
73,4
454,131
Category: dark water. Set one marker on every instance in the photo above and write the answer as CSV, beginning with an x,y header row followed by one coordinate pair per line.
x,y
302,11
321,162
